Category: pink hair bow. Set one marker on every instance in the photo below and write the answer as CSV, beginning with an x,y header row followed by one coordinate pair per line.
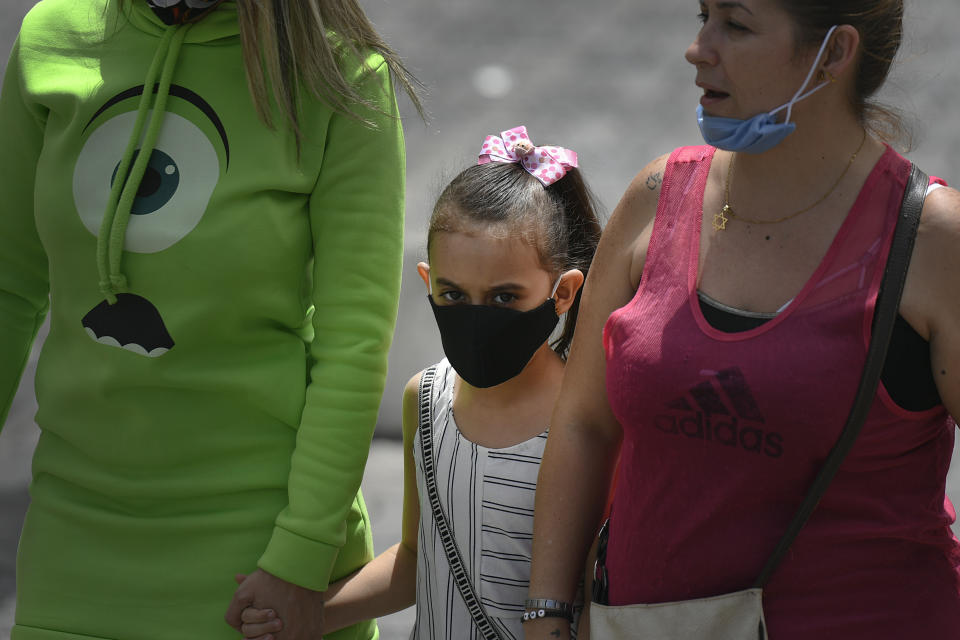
x,y
546,164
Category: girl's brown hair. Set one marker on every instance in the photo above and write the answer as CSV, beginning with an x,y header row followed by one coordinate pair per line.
x,y
880,24
559,221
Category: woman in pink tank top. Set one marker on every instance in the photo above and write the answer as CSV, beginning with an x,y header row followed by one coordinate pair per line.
x,y
724,328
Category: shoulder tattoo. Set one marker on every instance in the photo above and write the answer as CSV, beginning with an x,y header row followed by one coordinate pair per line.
x,y
654,180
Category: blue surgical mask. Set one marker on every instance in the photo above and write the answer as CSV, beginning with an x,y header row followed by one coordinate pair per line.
x,y
762,132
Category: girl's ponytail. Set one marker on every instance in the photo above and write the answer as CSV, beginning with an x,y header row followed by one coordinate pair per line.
x,y
574,244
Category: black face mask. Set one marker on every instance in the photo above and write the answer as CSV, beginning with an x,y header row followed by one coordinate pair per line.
x,y
489,345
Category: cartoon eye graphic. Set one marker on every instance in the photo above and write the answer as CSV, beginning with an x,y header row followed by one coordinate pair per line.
x,y
173,195
159,183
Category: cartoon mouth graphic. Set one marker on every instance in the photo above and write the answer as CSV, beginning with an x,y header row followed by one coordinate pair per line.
x,y
133,323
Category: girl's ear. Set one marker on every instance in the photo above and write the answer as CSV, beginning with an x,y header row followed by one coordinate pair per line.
x,y
570,283
424,270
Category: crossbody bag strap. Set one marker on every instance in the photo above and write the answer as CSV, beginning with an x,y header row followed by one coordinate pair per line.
x,y
888,303
454,559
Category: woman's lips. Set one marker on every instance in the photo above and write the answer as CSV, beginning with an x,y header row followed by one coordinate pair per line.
x,y
711,97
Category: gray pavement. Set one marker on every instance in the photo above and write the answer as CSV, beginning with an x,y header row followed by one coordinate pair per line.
x,y
606,78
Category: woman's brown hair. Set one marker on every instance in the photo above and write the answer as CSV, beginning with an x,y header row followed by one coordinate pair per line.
x,y
880,24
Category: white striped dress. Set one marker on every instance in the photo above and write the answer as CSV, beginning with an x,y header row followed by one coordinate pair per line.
x,y
487,496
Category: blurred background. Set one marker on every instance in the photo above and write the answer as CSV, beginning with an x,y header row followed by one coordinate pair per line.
x,y
604,78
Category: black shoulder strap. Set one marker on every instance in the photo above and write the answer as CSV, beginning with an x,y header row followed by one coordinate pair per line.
x,y
888,303
454,559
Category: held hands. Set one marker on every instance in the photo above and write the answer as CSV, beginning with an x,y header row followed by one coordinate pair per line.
x,y
260,624
265,607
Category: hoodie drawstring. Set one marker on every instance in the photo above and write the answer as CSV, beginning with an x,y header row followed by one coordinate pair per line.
x,y
126,183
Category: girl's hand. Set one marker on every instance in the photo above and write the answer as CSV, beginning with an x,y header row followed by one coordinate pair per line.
x,y
258,624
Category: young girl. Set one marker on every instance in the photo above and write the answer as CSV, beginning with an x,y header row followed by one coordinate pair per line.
x,y
509,244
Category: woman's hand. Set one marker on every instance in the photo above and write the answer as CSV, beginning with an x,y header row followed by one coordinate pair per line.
x,y
297,612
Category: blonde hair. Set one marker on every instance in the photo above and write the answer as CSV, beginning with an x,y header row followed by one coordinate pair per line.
x,y
292,45
287,47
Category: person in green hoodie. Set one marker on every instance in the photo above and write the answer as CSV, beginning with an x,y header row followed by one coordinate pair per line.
x,y
206,199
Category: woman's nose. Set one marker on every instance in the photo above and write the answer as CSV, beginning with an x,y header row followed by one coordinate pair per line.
x,y
700,50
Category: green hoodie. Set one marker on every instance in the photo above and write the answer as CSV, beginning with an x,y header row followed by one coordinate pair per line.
x,y
218,339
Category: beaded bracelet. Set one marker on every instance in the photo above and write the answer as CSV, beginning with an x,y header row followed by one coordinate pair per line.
x,y
546,608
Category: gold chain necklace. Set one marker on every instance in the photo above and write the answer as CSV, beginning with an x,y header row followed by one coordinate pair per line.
x,y
727,213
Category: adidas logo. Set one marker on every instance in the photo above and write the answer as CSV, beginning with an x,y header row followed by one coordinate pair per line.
x,y
721,409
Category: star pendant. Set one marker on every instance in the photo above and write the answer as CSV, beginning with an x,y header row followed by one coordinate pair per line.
x,y
720,220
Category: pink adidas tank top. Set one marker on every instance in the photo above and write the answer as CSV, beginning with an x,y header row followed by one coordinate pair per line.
x,y
723,434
